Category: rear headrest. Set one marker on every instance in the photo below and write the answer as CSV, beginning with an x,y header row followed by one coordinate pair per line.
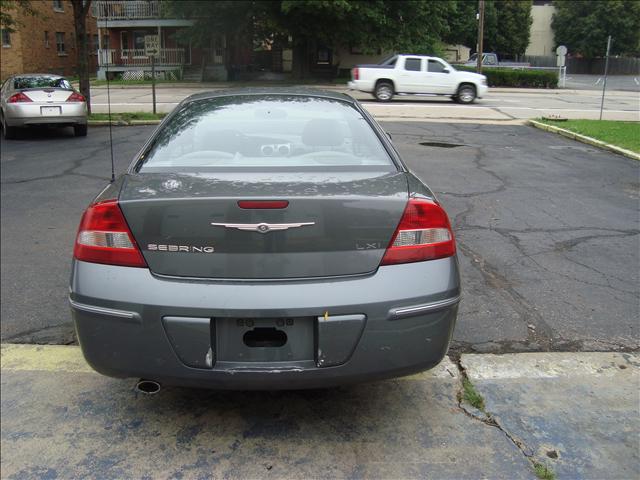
x,y
322,132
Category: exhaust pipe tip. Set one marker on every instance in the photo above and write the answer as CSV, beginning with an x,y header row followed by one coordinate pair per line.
x,y
147,387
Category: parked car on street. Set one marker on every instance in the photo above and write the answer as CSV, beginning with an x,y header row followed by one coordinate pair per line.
x,y
265,239
417,74
492,60
41,99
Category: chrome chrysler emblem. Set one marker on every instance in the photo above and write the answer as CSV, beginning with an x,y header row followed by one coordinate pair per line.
x,y
262,227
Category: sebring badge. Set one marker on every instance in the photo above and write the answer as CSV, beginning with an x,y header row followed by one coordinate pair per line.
x,y
263,227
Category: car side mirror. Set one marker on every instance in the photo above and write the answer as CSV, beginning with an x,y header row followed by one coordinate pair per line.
x,y
445,70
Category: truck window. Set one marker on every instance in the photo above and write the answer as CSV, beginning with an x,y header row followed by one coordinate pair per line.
x,y
412,64
435,67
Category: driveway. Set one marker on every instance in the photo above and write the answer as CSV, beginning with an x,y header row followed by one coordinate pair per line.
x,y
547,230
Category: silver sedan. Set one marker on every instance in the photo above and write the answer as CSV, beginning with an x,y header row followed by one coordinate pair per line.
x,y
41,99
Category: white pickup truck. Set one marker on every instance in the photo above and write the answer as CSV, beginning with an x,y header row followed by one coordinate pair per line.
x,y
417,74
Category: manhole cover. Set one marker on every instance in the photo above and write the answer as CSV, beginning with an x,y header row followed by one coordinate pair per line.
x,y
441,144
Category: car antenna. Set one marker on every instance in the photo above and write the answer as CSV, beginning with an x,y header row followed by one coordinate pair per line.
x,y
113,168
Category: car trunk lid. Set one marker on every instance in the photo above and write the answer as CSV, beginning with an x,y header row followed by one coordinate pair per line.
x,y
48,95
342,222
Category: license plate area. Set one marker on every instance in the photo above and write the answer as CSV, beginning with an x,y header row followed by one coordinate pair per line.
x,y
50,111
264,339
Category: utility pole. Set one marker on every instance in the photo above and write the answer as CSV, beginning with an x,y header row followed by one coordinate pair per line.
x,y
606,69
480,34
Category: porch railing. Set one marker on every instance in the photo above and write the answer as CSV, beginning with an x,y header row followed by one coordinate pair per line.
x,y
130,57
126,9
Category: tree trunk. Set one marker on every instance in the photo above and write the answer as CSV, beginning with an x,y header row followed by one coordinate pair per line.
x,y
300,59
80,10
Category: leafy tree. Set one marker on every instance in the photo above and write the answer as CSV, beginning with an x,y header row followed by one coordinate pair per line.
x,y
507,27
585,25
80,10
10,11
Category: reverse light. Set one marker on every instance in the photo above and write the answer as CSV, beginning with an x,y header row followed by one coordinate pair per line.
x,y
104,237
18,98
424,233
76,97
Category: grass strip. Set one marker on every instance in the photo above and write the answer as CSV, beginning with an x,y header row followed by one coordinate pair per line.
x,y
619,133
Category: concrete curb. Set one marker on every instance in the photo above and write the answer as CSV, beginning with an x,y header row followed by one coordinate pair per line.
x,y
122,123
584,139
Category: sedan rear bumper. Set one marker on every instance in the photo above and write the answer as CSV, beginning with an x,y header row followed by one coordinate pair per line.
x,y
397,321
24,114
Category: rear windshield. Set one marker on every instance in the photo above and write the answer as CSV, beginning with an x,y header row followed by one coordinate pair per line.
x,y
264,131
20,83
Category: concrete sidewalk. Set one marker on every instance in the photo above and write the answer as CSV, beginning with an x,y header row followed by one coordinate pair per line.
x,y
574,413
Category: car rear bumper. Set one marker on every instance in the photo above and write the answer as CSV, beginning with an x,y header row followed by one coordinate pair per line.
x,y
24,114
361,85
397,321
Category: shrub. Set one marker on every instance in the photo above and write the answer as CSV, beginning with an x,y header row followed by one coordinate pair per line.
x,y
523,78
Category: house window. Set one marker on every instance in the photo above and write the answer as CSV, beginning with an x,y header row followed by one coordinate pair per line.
x,y
6,38
96,44
138,40
46,39
58,6
60,43
124,40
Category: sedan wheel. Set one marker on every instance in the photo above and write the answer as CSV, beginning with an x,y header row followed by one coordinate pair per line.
x,y
384,92
466,94
80,130
7,131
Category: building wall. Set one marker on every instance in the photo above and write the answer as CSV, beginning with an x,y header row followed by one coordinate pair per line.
x,y
28,52
541,41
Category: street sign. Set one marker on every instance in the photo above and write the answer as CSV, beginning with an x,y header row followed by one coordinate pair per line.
x,y
561,53
151,45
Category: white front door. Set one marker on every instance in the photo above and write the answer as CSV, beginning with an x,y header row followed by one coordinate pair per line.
x,y
439,77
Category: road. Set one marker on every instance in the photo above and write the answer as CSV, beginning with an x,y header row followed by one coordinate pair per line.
x,y
547,231
499,106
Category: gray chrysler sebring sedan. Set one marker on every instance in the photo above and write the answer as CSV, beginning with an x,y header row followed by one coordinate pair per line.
x,y
265,239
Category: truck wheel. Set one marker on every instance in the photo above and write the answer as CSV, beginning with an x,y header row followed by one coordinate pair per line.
x,y
384,91
466,93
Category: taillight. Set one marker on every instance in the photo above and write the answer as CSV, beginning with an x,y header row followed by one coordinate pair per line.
x,y
75,97
424,233
18,98
355,73
104,237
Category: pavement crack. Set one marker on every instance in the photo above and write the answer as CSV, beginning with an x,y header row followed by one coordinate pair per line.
x,y
486,417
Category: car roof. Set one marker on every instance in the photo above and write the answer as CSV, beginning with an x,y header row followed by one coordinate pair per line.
x,y
262,91
33,75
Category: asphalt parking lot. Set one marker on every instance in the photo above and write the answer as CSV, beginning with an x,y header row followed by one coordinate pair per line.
x,y
547,231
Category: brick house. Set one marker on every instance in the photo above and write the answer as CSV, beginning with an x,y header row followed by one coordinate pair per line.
x,y
45,42
122,26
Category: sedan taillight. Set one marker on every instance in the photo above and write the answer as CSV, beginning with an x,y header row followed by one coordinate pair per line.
x,y
18,98
105,237
76,97
424,233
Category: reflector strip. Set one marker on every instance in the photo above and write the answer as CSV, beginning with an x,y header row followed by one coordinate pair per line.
x,y
263,204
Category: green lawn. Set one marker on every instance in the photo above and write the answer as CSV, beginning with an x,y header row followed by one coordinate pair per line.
x,y
126,117
622,134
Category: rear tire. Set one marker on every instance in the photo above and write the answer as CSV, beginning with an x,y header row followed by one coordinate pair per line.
x,y
466,93
7,131
383,91
80,130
